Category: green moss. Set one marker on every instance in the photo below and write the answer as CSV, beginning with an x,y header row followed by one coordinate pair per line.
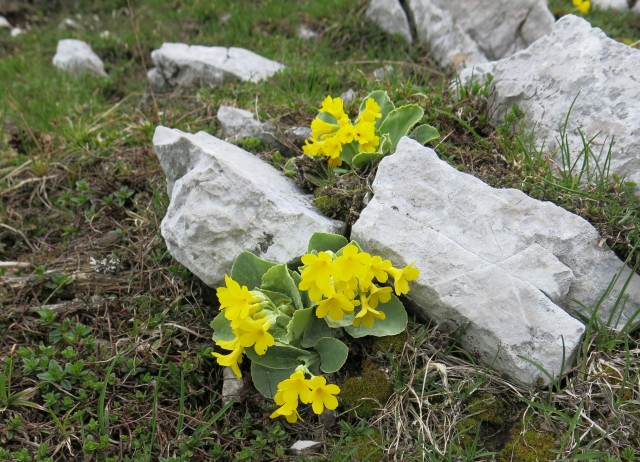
x,y
392,343
488,414
489,409
329,206
364,394
530,446
367,447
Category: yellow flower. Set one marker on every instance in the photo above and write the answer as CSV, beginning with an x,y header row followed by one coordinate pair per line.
x,y
294,388
333,106
255,333
401,278
316,276
346,132
336,306
378,295
366,137
235,300
332,147
583,6
322,395
312,149
232,359
320,129
289,411
351,264
378,269
371,111
367,315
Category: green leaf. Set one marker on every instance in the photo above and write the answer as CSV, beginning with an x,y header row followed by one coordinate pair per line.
x,y
394,323
316,329
222,328
247,270
266,380
279,356
278,279
363,159
399,122
424,133
298,324
277,298
346,320
320,242
304,296
333,354
348,151
386,105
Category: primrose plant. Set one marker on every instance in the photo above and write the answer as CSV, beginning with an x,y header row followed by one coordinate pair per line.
x,y
374,133
289,323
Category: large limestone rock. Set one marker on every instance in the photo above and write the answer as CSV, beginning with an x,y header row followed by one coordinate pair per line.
x,y
76,57
390,16
575,65
225,201
622,5
495,260
179,64
461,33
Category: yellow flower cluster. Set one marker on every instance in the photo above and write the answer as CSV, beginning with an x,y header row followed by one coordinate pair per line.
x,y
583,6
250,323
297,388
332,129
339,284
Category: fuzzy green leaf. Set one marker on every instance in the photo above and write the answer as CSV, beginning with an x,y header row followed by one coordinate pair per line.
x,y
266,380
247,270
424,133
320,242
394,323
382,98
363,159
399,122
333,354
316,329
278,279
280,356
298,324
221,328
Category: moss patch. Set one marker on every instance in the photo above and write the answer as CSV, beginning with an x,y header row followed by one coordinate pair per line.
x,y
530,446
391,343
364,394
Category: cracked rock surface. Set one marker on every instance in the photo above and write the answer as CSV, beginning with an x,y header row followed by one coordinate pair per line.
x,y
225,200
580,72
457,39
179,64
504,265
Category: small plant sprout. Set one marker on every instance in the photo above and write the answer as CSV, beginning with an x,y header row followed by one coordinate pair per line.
x,y
290,324
374,134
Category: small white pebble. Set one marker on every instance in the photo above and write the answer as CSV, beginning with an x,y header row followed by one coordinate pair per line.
x,y
301,445
4,22
17,31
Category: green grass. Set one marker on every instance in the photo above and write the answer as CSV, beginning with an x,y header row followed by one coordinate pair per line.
x,y
115,364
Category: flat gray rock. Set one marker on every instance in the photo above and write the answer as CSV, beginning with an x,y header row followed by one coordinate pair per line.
x,y
505,265
179,64
76,58
576,62
225,201
238,124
